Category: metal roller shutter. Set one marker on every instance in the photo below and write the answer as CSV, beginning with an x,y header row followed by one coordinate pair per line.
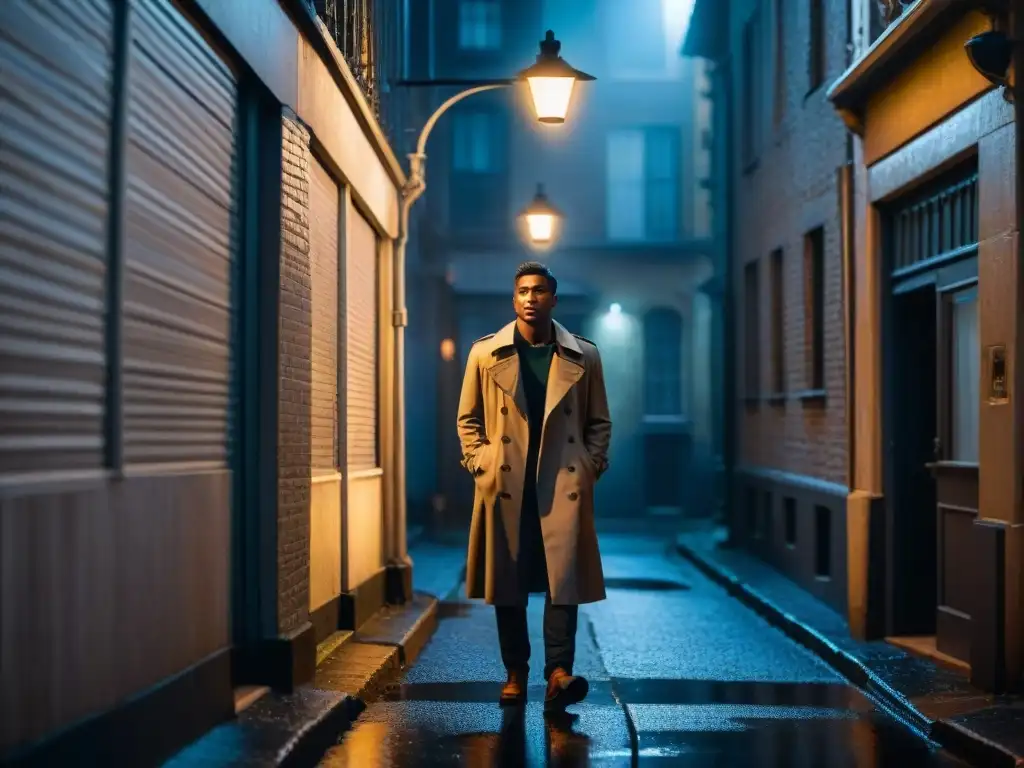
x,y
55,116
361,350
180,244
324,211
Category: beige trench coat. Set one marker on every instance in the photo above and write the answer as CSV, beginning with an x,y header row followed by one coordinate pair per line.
x,y
494,432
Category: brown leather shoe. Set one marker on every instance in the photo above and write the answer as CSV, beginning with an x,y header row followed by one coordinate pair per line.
x,y
564,690
514,690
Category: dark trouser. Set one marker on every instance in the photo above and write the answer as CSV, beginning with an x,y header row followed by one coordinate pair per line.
x,y
559,636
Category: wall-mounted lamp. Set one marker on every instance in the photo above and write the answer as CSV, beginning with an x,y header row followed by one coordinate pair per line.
x,y
990,53
542,219
551,81
447,350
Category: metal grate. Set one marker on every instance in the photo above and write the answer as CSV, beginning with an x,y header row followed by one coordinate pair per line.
x,y
937,225
353,25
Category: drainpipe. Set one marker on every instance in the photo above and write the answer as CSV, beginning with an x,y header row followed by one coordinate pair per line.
x,y
848,223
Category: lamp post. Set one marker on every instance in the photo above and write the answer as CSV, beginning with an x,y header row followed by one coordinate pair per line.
x,y
551,82
541,219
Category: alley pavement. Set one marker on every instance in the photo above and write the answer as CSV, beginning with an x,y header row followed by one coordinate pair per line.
x,y
681,674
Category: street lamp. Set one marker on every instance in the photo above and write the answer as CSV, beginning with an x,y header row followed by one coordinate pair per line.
x,y
541,219
551,82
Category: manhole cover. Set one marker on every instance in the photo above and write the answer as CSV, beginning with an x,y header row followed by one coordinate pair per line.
x,y
645,585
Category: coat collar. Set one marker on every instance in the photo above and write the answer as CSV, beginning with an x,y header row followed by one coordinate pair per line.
x,y
567,367
565,341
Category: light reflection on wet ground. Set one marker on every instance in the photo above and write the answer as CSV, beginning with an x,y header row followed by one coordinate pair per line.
x,y
729,690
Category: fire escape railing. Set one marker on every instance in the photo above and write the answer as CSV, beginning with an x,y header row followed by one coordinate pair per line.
x,y
354,27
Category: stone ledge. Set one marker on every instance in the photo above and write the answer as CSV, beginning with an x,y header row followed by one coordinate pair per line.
x,y
296,729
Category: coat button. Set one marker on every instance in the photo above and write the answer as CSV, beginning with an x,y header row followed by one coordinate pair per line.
x,y
505,495
506,439
568,411
572,439
573,496
571,468
504,411
506,468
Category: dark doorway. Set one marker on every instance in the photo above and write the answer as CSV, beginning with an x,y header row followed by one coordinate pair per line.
x,y
911,430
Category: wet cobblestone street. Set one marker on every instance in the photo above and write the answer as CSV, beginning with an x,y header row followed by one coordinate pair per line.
x,y
681,674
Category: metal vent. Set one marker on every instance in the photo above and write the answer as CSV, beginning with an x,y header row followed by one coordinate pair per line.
x,y
936,225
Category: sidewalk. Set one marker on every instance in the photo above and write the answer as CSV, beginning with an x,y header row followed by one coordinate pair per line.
x,y
296,729
940,704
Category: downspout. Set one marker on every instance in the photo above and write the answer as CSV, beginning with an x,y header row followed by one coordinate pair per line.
x,y
848,223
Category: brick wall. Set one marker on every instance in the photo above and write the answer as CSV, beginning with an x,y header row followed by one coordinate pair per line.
x,y
295,380
790,191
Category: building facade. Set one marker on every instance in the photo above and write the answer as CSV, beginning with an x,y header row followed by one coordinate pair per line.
x,y
197,470
877,458
783,278
625,170
935,514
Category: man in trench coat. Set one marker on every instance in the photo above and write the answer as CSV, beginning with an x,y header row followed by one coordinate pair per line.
x,y
534,426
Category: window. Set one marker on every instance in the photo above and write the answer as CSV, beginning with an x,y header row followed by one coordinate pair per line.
x,y
643,200
479,25
816,48
642,37
474,143
779,103
663,362
477,189
814,307
751,94
822,542
965,376
777,275
751,331
789,513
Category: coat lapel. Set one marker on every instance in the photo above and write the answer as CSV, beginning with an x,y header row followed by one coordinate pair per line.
x,y
504,368
566,369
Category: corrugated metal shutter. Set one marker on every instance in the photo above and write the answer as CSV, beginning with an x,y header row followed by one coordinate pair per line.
x,y
55,114
361,350
323,238
180,245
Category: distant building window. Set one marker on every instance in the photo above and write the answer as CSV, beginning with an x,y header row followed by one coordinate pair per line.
x,y
778,319
814,307
752,63
816,52
751,331
643,201
663,362
479,25
478,191
475,142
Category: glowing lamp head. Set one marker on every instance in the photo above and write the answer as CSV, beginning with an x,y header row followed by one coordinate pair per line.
x,y
541,219
551,82
616,308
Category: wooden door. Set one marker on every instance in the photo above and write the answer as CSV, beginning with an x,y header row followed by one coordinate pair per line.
x,y
956,460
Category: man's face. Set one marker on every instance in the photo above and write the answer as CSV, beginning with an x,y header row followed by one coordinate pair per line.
x,y
534,300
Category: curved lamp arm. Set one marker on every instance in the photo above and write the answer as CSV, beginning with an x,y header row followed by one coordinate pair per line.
x,y
416,183
396,547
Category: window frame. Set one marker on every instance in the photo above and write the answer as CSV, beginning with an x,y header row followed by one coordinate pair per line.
x,y
817,46
645,183
777,319
814,309
751,330
486,24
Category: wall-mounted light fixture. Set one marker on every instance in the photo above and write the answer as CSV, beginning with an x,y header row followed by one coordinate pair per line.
x,y
542,219
447,350
991,53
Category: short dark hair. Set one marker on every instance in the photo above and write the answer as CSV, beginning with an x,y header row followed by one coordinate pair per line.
x,y
536,268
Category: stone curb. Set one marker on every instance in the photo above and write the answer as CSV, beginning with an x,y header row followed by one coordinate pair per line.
x,y
949,735
294,730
